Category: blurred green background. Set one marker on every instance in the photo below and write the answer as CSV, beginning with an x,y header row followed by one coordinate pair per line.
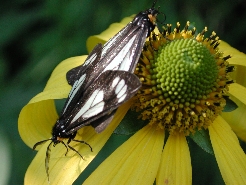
x,y
35,35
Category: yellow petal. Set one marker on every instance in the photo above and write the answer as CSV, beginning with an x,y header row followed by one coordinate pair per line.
x,y
134,162
236,118
175,167
239,92
39,115
238,58
66,169
114,28
36,121
229,155
57,86
239,75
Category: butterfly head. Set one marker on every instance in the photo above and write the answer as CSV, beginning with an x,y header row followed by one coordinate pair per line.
x,y
147,19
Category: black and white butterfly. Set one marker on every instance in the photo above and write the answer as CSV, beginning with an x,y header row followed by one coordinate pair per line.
x,y
103,83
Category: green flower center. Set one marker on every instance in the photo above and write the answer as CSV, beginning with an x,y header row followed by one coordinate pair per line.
x,y
184,79
183,72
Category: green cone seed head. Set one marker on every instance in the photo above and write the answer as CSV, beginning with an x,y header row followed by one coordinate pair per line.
x,y
185,71
184,79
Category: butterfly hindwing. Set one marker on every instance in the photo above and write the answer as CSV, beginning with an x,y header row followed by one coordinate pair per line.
x,y
101,123
111,90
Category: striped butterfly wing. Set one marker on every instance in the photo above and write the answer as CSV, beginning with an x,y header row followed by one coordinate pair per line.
x,y
92,59
101,99
128,48
121,52
79,78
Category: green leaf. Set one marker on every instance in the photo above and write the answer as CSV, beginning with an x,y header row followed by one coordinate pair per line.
x,y
130,124
202,139
230,105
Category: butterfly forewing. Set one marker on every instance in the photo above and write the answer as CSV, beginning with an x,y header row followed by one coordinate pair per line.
x,y
92,59
119,53
112,41
111,90
79,78
128,50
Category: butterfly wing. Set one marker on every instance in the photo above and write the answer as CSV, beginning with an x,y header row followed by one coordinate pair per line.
x,y
122,51
92,59
119,53
103,96
79,78
102,122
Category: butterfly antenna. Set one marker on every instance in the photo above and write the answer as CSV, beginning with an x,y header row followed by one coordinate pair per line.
x,y
47,159
153,5
162,22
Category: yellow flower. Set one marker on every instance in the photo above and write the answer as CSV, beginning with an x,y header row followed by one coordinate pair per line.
x,y
141,159
181,62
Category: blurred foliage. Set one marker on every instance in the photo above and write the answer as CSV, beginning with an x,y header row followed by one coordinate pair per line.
x,y
37,34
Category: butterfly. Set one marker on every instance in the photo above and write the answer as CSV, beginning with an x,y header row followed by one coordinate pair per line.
x,y
102,83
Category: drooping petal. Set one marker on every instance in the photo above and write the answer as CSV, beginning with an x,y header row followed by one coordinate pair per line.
x,y
36,121
229,155
39,115
134,162
65,169
175,167
239,92
236,90
236,118
238,57
238,60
